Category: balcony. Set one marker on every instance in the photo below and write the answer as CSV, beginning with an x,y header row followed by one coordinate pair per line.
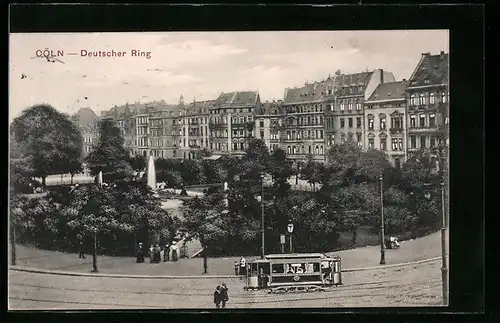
x,y
396,131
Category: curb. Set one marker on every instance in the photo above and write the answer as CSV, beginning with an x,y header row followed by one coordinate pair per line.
x,y
392,266
66,273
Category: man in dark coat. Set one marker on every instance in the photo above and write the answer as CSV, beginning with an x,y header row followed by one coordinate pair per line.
x,y
81,254
140,253
224,295
217,297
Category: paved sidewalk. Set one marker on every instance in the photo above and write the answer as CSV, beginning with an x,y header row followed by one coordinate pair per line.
x,y
414,250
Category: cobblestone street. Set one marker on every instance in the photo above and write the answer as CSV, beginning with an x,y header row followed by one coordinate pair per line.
x,y
412,285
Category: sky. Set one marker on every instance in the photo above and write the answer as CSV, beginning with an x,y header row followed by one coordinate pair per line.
x,y
198,65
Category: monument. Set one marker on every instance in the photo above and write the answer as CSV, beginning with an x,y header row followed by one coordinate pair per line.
x,y
99,179
151,173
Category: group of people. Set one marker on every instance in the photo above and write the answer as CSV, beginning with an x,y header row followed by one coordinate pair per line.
x,y
240,267
221,296
170,253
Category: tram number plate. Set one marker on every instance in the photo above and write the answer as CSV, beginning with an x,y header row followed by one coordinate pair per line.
x,y
296,278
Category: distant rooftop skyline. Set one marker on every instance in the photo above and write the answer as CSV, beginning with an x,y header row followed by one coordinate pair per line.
x,y
199,65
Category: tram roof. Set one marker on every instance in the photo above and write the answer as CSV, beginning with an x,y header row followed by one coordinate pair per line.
x,y
296,255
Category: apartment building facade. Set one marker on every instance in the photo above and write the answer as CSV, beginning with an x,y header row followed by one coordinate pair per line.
x,y
345,113
268,120
428,103
302,126
232,123
192,128
385,120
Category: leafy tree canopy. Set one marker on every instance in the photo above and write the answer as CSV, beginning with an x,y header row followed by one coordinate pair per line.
x,y
109,155
48,140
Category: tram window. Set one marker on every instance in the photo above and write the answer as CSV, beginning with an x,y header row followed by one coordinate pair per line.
x,y
278,268
316,267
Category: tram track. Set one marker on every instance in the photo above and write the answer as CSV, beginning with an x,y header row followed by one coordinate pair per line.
x,y
259,294
245,303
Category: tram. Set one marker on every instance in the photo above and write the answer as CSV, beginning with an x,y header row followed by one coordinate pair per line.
x,y
293,272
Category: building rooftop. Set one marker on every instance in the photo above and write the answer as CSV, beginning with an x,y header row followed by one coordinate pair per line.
x,y
309,92
238,98
431,70
389,91
357,79
268,108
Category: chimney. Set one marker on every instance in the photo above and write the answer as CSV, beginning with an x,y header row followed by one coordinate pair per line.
x,y
381,76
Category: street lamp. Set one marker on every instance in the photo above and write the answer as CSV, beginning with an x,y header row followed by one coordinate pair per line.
x,y
290,231
382,223
262,256
444,267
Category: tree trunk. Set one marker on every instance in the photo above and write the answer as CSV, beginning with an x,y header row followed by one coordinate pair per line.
x,y
43,181
205,262
72,178
354,236
94,256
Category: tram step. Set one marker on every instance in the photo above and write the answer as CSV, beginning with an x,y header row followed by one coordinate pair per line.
x,y
296,289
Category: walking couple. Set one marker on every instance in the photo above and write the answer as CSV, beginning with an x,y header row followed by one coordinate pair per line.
x,y
221,296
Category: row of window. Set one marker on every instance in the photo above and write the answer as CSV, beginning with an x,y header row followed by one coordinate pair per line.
x,y
397,144
427,98
350,122
293,150
305,121
396,122
359,136
418,142
350,106
230,110
303,134
273,135
236,146
304,108
424,120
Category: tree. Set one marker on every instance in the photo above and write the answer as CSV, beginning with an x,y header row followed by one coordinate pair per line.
x,y
348,163
138,162
21,168
50,140
313,171
109,155
280,170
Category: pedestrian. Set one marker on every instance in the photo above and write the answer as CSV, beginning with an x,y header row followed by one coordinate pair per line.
x,y
140,253
151,254
166,253
217,297
156,254
243,266
81,254
224,295
175,251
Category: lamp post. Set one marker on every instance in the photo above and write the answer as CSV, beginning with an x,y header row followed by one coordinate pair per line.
x,y
444,266
290,231
382,223
262,256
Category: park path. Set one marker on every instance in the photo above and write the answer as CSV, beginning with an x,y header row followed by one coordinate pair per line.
x,y
419,249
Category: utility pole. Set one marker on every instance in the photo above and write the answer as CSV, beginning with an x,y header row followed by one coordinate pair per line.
x,y
94,256
444,268
382,235
263,255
